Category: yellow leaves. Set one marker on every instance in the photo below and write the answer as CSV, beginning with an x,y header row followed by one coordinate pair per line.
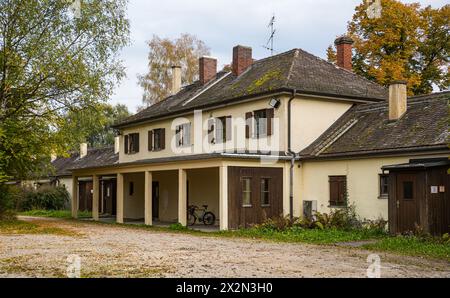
x,y
393,46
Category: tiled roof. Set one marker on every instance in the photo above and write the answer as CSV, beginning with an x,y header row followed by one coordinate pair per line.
x,y
63,164
295,69
366,129
96,157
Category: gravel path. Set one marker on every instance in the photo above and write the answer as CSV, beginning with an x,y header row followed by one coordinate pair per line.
x,y
107,250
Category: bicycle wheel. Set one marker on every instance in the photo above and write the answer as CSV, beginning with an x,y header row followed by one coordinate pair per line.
x,y
191,219
209,218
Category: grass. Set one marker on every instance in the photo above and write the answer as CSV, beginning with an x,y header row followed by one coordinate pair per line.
x,y
23,227
413,246
55,213
314,236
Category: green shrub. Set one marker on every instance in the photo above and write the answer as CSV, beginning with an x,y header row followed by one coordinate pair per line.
x,y
9,195
46,198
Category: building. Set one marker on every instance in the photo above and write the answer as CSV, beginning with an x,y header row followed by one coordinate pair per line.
x,y
288,134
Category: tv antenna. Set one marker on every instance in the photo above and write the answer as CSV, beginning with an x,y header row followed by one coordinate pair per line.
x,y
269,44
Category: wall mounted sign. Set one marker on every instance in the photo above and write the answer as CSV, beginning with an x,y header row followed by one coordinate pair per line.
x,y
434,189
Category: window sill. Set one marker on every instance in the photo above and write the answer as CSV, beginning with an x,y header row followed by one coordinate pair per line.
x,y
383,197
265,205
247,206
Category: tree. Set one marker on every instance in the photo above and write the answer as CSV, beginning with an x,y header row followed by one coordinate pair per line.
x,y
53,60
331,54
93,125
406,43
164,53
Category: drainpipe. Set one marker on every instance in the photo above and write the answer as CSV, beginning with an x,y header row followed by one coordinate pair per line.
x,y
293,156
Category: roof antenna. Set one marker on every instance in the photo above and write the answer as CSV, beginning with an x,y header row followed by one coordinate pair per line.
x,y
269,44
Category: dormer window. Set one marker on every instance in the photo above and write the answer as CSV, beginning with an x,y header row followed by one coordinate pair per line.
x,y
183,135
132,143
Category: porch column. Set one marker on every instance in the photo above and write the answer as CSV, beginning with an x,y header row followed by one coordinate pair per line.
x,y
74,197
119,210
182,198
148,198
95,196
223,197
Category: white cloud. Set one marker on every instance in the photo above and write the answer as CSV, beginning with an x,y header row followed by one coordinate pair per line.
x,y
308,24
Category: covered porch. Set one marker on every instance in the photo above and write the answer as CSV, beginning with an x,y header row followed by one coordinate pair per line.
x,y
156,195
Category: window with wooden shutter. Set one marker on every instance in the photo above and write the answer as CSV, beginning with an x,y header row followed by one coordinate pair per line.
x,y
248,124
183,135
132,143
269,121
162,136
150,140
156,139
338,190
211,129
260,129
126,144
228,128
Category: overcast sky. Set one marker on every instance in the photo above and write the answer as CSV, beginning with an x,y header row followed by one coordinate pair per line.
x,y
308,24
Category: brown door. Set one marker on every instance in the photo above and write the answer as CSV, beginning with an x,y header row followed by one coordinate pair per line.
x,y
254,195
155,200
407,203
85,195
109,196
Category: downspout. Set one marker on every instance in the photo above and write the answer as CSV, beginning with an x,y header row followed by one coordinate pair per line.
x,y
293,156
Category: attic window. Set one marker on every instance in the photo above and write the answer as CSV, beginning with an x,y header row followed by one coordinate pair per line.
x,y
183,135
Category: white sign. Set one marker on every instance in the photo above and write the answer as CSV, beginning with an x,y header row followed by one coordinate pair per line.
x,y
434,189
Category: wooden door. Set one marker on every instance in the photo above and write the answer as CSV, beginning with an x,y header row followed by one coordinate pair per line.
x,y
155,199
407,202
109,196
254,195
85,195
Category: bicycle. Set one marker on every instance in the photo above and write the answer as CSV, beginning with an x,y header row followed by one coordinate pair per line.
x,y
207,217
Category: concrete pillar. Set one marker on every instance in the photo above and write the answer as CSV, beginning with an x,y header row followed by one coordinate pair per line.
x,y
74,196
119,210
182,197
223,197
95,196
148,198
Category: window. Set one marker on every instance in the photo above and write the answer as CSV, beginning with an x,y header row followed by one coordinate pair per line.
x,y
338,190
131,188
183,135
132,143
262,123
265,193
246,192
219,130
156,139
384,180
407,190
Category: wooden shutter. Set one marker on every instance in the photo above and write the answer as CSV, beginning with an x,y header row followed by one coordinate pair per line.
x,y
136,142
269,121
126,144
150,140
162,140
248,124
338,190
211,130
228,128
187,134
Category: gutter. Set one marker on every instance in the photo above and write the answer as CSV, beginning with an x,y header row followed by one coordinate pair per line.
x,y
293,156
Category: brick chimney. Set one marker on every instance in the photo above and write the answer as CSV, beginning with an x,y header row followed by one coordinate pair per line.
x,y
344,52
242,59
397,99
176,79
83,150
207,69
